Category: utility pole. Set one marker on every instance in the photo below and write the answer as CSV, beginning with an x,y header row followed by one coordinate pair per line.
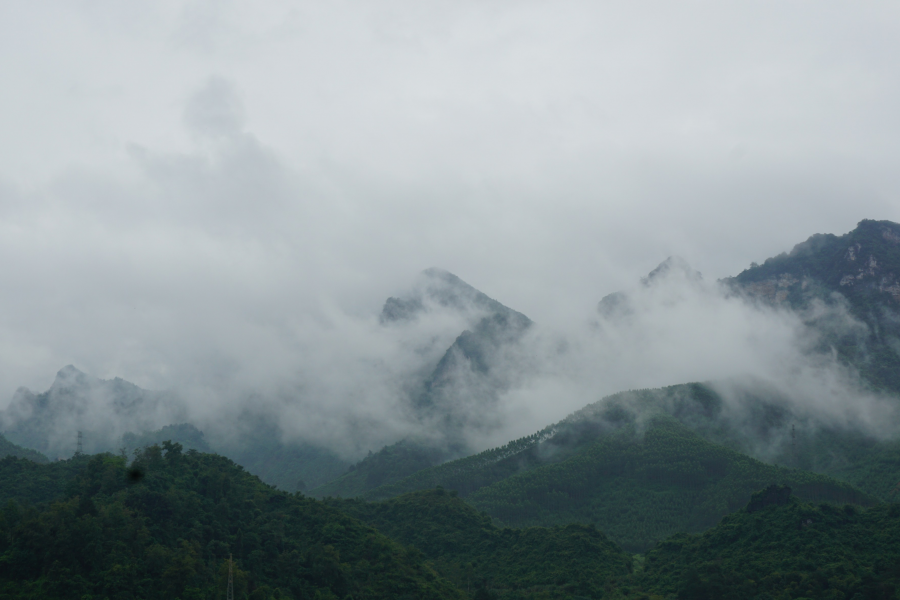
x,y
79,446
794,444
230,594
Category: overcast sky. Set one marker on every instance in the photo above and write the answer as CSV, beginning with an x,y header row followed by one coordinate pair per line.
x,y
196,188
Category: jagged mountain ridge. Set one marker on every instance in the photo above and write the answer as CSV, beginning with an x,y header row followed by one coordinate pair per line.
x,y
103,410
858,271
115,413
460,393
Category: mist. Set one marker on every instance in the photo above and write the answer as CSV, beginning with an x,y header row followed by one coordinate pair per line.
x,y
216,199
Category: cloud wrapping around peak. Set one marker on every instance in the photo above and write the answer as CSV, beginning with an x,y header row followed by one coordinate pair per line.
x,y
219,197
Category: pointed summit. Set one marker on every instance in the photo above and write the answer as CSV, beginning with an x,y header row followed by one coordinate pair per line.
x,y
439,288
674,266
673,269
69,377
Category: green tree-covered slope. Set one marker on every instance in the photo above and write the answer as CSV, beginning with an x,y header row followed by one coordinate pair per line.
x,y
27,482
165,527
755,421
391,463
639,482
640,487
790,549
466,547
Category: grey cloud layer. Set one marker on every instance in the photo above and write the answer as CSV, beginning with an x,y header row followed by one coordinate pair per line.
x,y
219,196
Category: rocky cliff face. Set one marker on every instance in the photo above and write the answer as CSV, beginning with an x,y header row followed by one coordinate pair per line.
x,y
857,273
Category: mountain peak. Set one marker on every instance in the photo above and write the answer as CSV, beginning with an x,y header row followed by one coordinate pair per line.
x,y
674,265
442,288
70,377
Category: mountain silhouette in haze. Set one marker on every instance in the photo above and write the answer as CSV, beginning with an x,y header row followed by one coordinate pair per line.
x,y
674,268
102,409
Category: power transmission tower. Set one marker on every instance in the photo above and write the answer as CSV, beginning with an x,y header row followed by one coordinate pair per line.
x,y
230,594
79,447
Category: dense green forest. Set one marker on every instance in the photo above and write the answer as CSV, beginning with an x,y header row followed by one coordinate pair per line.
x,y
754,420
391,463
165,526
788,549
642,487
466,547
639,483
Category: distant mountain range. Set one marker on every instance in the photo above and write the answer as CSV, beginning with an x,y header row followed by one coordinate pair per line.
x,y
856,275
727,489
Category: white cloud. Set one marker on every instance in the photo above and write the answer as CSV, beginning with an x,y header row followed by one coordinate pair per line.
x,y
207,190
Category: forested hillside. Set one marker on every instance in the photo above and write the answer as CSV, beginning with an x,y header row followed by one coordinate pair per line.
x,y
466,547
788,549
165,526
744,416
638,482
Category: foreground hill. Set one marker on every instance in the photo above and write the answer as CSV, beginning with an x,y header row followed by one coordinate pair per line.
x,y
466,547
779,547
638,482
165,528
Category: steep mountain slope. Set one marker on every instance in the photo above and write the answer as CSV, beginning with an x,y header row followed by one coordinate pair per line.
x,y
858,272
459,395
461,390
779,547
468,549
165,528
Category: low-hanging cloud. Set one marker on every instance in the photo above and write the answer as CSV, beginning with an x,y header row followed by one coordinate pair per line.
x,y
217,199
679,328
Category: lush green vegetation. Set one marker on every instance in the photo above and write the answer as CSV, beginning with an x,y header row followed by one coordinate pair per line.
x,y
466,547
389,464
640,487
7,448
26,482
638,481
792,550
165,526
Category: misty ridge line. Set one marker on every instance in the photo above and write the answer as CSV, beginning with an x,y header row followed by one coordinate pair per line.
x,y
448,367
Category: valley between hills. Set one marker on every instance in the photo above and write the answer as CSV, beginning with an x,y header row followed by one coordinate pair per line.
x,y
765,484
